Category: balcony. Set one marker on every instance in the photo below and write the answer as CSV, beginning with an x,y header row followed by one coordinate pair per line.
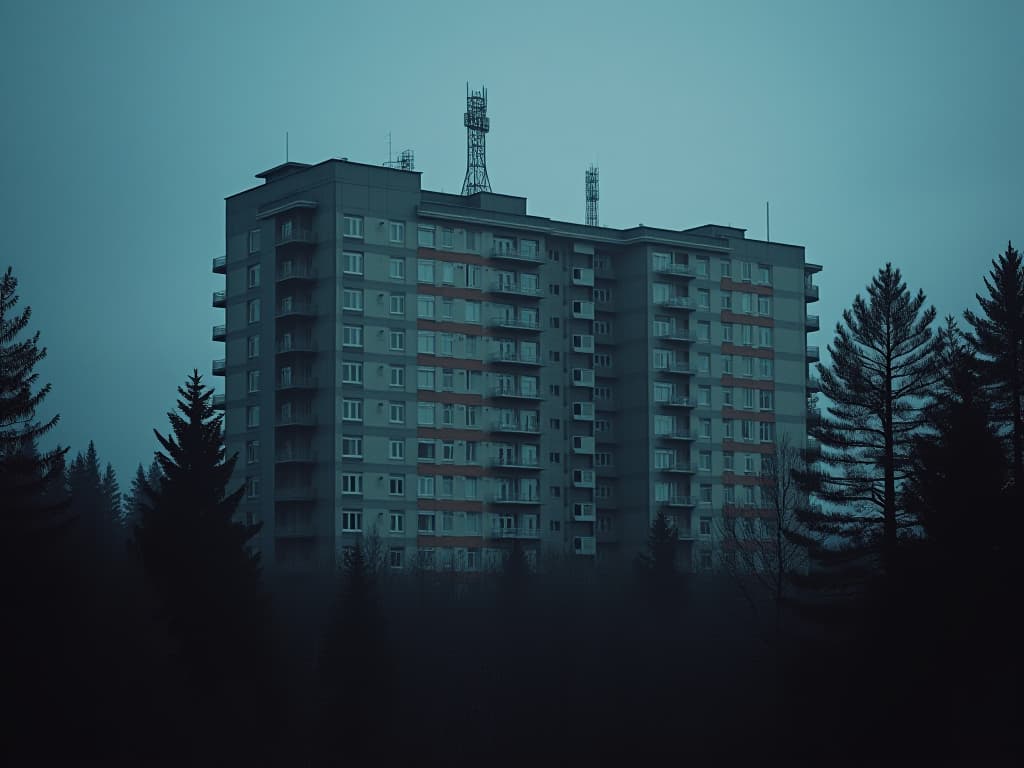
x,y
685,533
219,401
220,333
514,462
295,529
512,254
220,299
680,502
508,289
676,368
220,265
295,456
515,428
515,533
295,493
515,499
513,393
810,292
584,545
813,385
812,324
679,468
584,478
295,235
583,276
514,324
680,434
813,355
298,271
676,336
301,346
511,358
297,310
584,512
676,402
675,302
220,367
296,382
674,270
296,420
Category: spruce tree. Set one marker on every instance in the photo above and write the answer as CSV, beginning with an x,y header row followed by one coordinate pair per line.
x,y
112,495
195,554
997,336
884,362
133,499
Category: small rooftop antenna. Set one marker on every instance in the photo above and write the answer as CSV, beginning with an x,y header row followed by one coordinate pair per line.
x,y
767,223
286,146
477,125
593,195
405,158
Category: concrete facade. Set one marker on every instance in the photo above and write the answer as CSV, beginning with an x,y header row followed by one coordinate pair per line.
x,y
449,374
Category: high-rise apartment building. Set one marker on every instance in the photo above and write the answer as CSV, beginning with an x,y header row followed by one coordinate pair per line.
x,y
454,374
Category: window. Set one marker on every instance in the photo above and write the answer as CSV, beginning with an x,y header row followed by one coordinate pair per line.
x,y
253,276
745,270
396,376
425,520
425,307
764,274
252,416
748,399
447,380
351,409
425,489
747,303
704,461
472,415
352,483
702,266
447,450
705,429
764,337
353,263
397,522
425,342
425,271
447,273
252,452
764,305
705,494
352,300
767,431
396,485
425,237
748,463
396,341
352,336
727,364
425,414
425,378
470,487
351,373
704,363
764,368
703,331
747,368
253,346
396,304
353,226
396,232
252,485
447,414
728,461
446,309
746,335
446,346
472,241
705,526
447,237
396,450
253,381
254,241
726,267
704,396
727,429
472,311
471,451
747,430
472,275
352,447
766,399
253,308
704,298
726,299
396,268
726,397
396,412
396,557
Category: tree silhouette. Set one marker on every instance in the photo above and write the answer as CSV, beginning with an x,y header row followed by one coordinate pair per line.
x,y
997,336
194,552
884,361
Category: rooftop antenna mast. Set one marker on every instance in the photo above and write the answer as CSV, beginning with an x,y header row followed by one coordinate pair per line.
x,y
477,125
593,195
404,162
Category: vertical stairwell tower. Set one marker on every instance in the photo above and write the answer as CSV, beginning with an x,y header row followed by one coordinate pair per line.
x,y
593,195
477,125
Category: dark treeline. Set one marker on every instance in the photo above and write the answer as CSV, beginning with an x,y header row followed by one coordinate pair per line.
x,y
872,624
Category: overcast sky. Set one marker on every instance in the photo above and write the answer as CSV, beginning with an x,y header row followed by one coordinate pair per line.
x,y
878,130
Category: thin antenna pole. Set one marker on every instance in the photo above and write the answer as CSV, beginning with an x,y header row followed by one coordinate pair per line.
x,y
767,223
286,146
389,146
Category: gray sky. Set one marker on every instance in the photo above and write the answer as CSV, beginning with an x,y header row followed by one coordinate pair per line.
x,y
878,130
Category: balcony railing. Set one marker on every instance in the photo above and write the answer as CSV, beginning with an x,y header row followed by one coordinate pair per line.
x,y
514,427
297,420
295,235
512,358
678,468
813,355
302,345
513,254
220,367
303,456
678,270
676,435
513,462
220,265
297,309
515,324
514,393
810,292
680,501
219,401
676,401
813,385
515,498
295,271
220,332
675,302
220,299
295,493
813,323
515,533
674,335
297,382
680,368
508,289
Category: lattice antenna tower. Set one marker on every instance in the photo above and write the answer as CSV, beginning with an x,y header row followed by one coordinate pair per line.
x,y
404,162
477,125
593,195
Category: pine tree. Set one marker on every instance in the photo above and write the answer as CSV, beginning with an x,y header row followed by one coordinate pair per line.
x,y
997,336
661,545
133,499
884,362
25,474
194,552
